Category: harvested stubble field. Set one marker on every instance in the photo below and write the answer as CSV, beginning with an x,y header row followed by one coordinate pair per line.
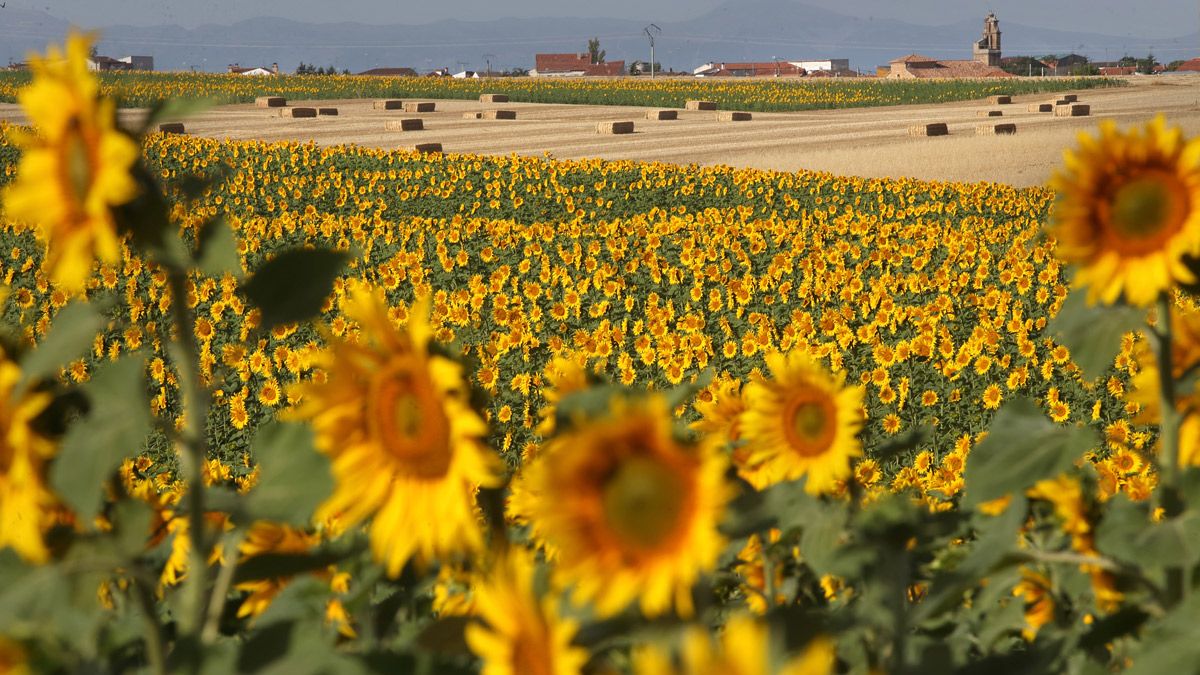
x,y
871,142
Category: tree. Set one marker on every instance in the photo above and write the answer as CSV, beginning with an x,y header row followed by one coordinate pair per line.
x,y
1146,66
594,50
1127,61
1174,65
1023,66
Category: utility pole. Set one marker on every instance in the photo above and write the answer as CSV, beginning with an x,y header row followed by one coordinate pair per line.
x,y
651,31
488,58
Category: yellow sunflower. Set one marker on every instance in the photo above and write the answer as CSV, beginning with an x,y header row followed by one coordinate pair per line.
x,y
721,407
26,502
804,422
744,648
76,167
520,633
406,445
1128,210
1035,589
263,538
13,660
629,509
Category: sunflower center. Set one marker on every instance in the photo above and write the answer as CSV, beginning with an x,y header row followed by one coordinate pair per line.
x,y
77,165
810,421
411,423
1148,208
643,502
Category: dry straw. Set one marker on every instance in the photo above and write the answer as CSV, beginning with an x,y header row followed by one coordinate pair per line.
x,y
1072,110
934,129
404,125
297,113
662,115
701,105
419,106
493,98
270,102
614,128
388,104
996,129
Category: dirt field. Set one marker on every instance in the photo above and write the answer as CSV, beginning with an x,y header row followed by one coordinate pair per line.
x,y
864,142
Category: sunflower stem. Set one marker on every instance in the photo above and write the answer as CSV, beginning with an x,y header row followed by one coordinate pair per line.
x,y
192,451
216,602
1168,438
156,650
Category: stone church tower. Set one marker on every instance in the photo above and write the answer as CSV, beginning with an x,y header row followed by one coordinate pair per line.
x,y
987,50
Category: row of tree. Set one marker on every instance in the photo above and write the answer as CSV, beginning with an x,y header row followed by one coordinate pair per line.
x,y
310,69
1080,65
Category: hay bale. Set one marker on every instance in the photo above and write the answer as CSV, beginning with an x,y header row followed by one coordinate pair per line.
x,y
388,104
1040,107
297,113
419,106
328,112
989,113
701,105
730,116
1070,98
500,114
1060,101
493,98
614,128
1000,100
430,148
472,116
934,129
409,124
662,115
1073,110
996,129
172,128
270,102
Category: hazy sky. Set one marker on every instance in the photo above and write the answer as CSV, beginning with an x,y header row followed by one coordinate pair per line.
x,y
1147,18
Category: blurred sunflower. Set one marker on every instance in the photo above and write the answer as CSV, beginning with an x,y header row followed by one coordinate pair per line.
x,y
804,422
403,438
520,633
744,649
74,169
25,500
630,510
1127,211
269,538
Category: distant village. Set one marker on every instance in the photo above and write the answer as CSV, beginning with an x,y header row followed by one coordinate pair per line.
x,y
986,61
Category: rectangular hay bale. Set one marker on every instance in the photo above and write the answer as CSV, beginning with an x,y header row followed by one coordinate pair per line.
x,y
328,112
431,148
270,102
614,128
996,129
409,124
662,115
989,113
493,98
1000,100
1070,98
730,116
388,104
500,114
1040,107
172,128
935,129
297,113
1072,110
701,105
472,116
419,106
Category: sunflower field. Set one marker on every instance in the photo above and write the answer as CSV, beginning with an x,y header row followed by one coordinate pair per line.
x,y
144,89
271,407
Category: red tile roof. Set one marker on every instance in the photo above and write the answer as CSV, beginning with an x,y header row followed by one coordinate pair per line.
x,y
915,58
1191,66
946,69
573,63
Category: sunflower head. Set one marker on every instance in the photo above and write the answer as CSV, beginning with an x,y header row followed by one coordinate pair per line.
x,y
405,443
802,422
629,508
1128,211
27,505
75,168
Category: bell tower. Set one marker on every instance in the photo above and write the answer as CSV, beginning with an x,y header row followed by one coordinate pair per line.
x,y
987,50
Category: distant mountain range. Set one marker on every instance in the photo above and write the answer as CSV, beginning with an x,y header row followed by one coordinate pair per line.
x,y
737,31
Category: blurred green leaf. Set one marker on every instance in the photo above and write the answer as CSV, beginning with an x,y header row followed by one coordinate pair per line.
x,y
293,285
294,478
1127,534
445,636
1170,644
70,337
1023,446
217,250
116,427
131,519
283,565
1093,334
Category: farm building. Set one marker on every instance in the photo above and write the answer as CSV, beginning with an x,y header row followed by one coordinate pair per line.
x,y
986,61
390,72
574,65
236,69
779,68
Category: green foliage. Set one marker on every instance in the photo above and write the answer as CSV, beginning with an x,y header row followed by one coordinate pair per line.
x,y
292,286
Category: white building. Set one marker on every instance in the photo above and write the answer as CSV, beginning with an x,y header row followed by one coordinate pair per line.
x,y
826,65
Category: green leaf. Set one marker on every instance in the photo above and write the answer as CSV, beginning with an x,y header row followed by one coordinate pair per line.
x,y
131,519
294,478
1093,333
217,250
1171,644
445,636
293,286
1023,446
1127,534
116,427
70,337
